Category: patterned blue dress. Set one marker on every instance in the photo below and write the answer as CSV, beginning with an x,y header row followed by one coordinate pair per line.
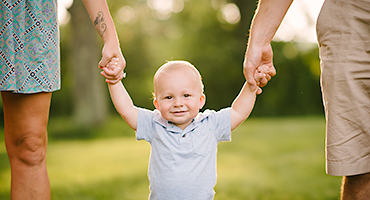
x,y
29,46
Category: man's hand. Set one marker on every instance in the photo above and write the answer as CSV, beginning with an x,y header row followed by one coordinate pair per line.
x,y
256,57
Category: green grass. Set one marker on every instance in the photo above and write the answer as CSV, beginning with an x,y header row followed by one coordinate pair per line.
x,y
268,158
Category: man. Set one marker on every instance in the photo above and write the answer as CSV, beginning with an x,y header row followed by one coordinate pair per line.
x,y
343,31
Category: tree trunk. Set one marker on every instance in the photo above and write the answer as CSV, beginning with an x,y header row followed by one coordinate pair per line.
x,y
90,94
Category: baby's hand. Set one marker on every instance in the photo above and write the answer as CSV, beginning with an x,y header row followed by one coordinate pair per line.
x,y
111,66
262,75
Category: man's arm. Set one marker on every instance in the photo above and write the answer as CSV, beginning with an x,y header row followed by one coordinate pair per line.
x,y
100,16
123,104
265,23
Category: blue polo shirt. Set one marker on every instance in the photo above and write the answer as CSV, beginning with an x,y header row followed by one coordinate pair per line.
x,y
182,163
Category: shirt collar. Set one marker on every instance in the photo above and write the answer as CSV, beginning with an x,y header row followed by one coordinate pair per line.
x,y
173,128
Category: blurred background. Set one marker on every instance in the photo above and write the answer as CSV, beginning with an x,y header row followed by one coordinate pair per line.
x,y
212,35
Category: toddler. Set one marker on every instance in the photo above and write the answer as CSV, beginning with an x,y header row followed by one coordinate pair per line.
x,y
183,141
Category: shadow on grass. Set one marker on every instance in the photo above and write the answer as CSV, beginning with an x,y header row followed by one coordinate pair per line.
x,y
73,133
65,129
5,196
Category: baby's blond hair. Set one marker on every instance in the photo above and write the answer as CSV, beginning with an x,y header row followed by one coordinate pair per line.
x,y
176,66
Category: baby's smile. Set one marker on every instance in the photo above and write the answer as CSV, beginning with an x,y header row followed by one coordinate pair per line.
x,y
179,112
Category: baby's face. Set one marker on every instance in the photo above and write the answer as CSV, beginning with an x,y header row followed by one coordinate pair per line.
x,y
179,96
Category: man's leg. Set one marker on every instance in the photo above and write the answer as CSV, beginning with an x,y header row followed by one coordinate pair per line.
x,y
356,187
25,132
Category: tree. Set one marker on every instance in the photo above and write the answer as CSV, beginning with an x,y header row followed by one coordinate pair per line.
x,y
89,94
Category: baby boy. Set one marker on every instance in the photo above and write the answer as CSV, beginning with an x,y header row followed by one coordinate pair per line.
x,y
183,141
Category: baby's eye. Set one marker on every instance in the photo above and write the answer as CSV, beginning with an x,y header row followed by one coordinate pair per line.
x,y
186,95
168,97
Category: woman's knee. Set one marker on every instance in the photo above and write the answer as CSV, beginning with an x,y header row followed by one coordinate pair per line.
x,y
25,126
30,149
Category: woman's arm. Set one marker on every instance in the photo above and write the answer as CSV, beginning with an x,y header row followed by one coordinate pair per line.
x,y
100,16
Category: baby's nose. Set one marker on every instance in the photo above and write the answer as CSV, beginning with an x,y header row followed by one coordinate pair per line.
x,y
178,102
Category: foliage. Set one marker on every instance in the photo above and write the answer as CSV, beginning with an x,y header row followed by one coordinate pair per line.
x,y
198,34
268,158
296,88
215,47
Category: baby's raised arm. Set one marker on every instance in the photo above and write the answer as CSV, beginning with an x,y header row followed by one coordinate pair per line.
x,y
244,102
242,106
122,100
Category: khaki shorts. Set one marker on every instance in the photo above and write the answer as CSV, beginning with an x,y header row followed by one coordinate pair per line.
x,y
343,31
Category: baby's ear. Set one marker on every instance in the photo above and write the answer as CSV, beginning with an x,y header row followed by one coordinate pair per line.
x,y
202,101
155,102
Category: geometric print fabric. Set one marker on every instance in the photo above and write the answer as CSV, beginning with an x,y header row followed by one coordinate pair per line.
x,y
29,46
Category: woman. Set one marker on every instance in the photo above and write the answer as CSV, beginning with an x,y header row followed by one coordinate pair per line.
x,y
30,72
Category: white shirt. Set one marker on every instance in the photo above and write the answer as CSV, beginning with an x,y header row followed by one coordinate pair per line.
x,y
182,163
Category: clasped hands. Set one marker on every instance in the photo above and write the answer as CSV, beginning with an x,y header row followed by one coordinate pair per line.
x,y
261,74
112,72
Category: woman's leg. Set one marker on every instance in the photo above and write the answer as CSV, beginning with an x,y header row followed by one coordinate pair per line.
x,y
25,128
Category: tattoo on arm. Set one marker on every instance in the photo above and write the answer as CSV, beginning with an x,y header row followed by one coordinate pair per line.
x,y
100,24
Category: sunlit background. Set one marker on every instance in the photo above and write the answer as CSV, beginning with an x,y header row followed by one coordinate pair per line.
x,y
298,25
206,33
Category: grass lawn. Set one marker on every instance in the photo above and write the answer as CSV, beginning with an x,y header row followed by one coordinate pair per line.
x,y
268,158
